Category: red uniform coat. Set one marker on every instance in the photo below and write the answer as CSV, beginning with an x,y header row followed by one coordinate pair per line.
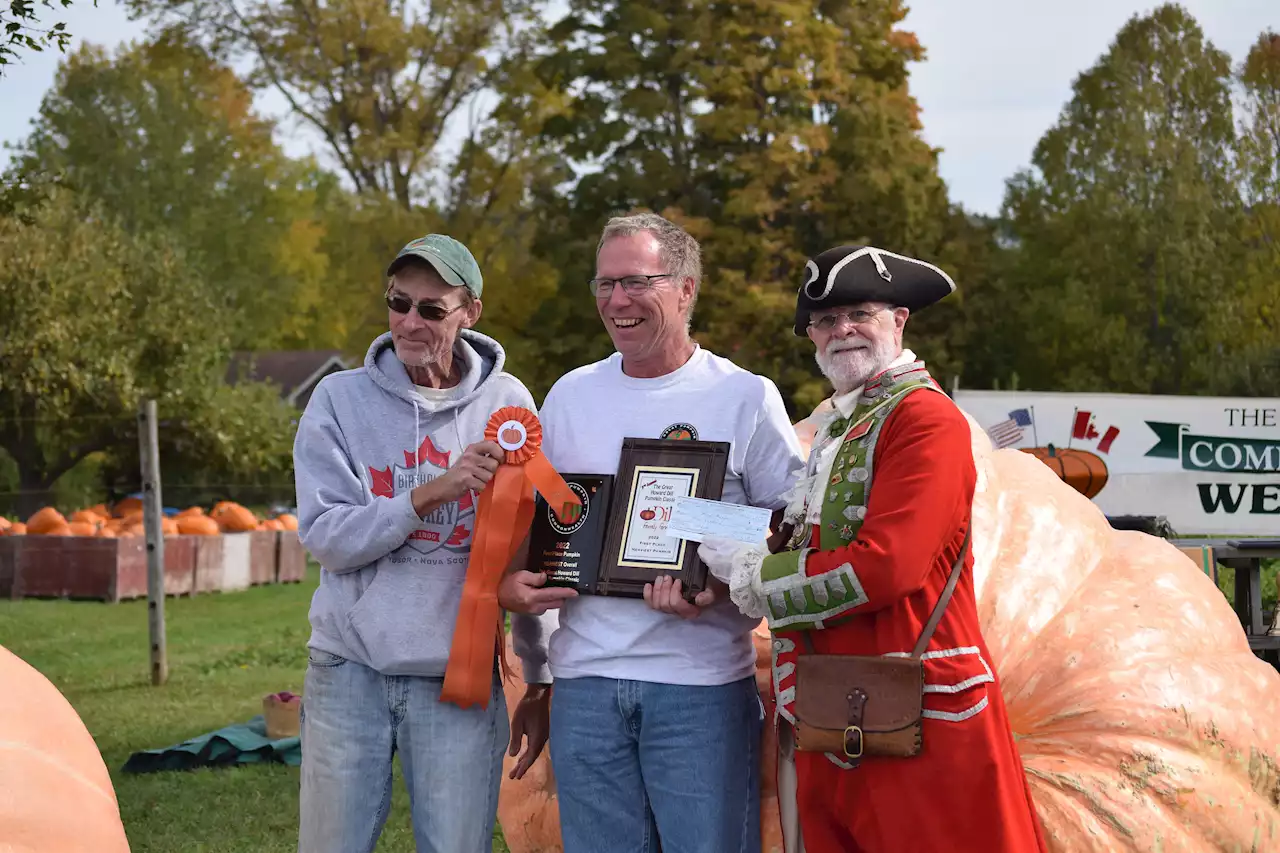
x,y
967,790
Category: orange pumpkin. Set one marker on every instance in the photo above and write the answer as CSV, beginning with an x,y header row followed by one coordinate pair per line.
x,y
169,527
62,529
233,518
5,524
197,525
127,507
271,524
105,532
86,516
18,528
55,792
44,521
288,521
1080,469
82,528
190,511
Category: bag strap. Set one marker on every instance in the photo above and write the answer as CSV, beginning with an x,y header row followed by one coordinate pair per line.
x,y
936,616
943,600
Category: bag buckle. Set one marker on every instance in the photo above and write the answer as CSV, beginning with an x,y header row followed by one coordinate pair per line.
x,y
849,732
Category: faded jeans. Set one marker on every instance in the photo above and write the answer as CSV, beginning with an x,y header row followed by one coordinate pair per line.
x,y
354,720
635,761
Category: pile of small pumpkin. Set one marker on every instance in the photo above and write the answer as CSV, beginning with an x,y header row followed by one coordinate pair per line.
x,y
125,519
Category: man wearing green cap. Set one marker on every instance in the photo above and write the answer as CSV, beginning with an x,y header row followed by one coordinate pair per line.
x,y
390,459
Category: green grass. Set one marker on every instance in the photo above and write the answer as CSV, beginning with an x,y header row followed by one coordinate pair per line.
x,y
225,652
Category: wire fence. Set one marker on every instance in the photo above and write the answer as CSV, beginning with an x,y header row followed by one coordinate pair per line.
x,y
104,476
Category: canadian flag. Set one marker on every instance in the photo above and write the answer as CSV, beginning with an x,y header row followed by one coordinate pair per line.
x,y
1084,429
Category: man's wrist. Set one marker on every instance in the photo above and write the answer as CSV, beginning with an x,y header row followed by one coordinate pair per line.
x,y
426,498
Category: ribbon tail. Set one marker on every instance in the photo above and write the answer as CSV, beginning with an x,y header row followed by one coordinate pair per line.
x,y
468,673
549,482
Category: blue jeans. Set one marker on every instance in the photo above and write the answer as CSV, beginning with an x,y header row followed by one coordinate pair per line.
x,y
354,720
636,761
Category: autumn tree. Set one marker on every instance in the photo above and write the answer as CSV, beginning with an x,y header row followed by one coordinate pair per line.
x,y
96,319
165,138
1125,268
1258,371
771,130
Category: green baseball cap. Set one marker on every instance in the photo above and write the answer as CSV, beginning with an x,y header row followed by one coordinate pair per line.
x,y
447,256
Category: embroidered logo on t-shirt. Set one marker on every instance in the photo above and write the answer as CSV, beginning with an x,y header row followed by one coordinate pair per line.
x,y
680,432
448,526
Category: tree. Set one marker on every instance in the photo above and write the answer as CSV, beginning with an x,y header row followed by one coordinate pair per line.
x,y
1259,77
21,30
97,319
1126,262
165,138
380,83
771,130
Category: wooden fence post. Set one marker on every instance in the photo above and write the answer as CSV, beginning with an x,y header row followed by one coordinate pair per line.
x,y
152,512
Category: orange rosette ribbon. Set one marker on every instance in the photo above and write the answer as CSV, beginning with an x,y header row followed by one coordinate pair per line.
x,y
504,514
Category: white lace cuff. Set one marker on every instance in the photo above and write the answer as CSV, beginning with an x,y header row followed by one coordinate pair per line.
x,y
744,582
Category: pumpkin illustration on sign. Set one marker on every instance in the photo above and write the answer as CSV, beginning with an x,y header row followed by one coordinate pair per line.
x,y
503,517
1081,470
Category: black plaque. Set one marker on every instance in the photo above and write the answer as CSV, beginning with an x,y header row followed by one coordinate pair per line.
x,y
652,474
569,550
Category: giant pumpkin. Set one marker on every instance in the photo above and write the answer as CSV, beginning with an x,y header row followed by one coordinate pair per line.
x,y
1144,721
55,792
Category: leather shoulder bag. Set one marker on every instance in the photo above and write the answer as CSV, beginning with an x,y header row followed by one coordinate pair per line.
x,y
855,705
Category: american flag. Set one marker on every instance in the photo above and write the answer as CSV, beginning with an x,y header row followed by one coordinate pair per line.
x,y
1009,432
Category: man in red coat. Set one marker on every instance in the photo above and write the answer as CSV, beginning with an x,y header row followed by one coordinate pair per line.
x,y
877,525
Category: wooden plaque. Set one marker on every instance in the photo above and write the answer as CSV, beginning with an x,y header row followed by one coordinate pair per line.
x,y
652,473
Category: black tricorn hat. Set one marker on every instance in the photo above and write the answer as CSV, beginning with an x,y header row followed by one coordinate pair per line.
x,y
847,275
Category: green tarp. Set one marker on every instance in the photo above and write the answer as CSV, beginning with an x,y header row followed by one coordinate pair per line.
x,y
243,743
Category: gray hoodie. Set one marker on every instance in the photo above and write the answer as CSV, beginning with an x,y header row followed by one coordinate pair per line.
x,y
390,582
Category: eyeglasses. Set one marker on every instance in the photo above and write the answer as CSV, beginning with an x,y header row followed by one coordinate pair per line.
x,y
402,304
632,285
858,317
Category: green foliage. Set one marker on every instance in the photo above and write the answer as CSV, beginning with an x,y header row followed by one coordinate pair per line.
x,y
772,131
164,138
98,319
20,30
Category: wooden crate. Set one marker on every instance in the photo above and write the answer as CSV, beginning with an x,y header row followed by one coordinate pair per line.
x,y
262,556
207,563
1202,556
8,562
80,567
292,559
236,561
179,565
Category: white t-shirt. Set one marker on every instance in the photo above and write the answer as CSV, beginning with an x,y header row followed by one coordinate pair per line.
x,y
585,417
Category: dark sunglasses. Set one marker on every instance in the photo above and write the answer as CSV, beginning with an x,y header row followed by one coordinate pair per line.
x,y
402,304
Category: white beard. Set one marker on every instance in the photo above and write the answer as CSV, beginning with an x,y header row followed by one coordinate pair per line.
x,y
851,362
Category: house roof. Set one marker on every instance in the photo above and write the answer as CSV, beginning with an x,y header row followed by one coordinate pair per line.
x,y
294,371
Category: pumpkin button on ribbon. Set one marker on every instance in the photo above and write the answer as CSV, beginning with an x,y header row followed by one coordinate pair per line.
x,y
512,435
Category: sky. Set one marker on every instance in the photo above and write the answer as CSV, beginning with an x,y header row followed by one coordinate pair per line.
x,y
996,74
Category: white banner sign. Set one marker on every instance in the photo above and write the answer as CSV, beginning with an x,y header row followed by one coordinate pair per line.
x,y
1210,465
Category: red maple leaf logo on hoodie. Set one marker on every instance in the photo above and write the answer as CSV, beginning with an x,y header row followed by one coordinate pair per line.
x,y
382,482
383,485
427,453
